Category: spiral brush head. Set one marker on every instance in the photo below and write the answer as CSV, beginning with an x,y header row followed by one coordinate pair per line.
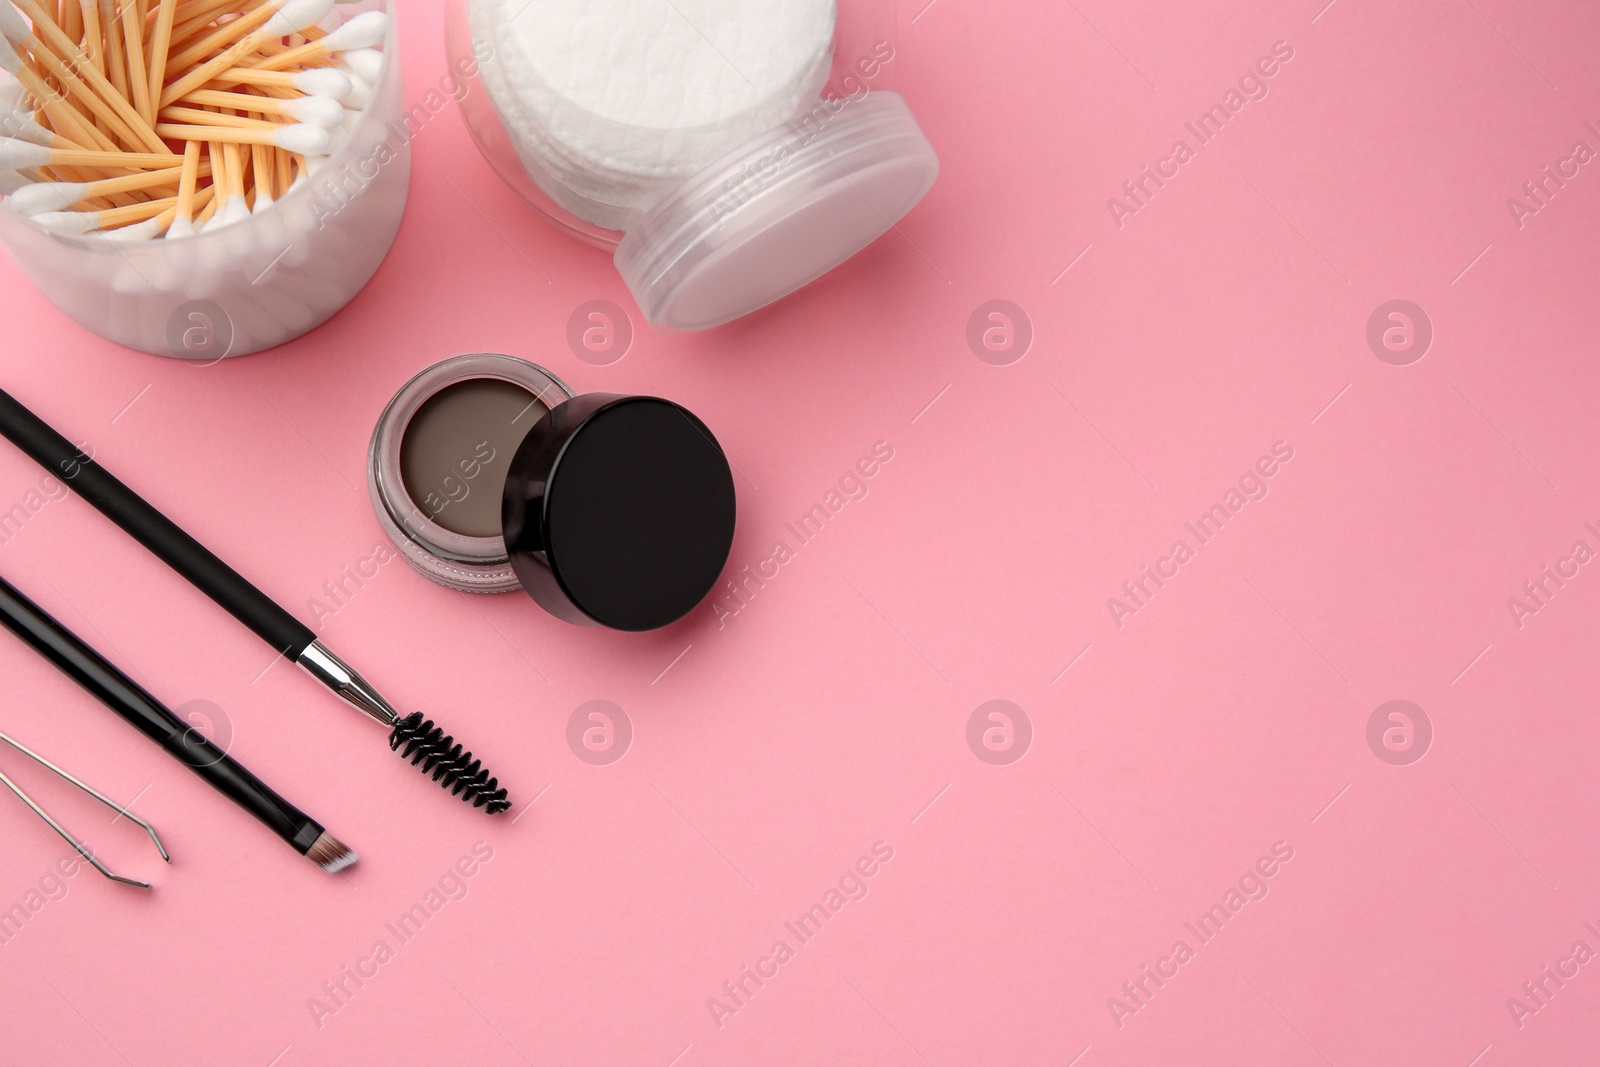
x,y
435,753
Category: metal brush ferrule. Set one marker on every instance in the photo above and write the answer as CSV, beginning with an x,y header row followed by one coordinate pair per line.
x,y
339,676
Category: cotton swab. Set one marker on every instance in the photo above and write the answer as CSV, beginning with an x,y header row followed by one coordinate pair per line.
x,y
139,231
86,221
20,155
318,110
40,197
302,137
20,125
318,81
367,30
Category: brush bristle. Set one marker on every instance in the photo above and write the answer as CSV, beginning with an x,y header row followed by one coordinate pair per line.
x,y
331,854
435,753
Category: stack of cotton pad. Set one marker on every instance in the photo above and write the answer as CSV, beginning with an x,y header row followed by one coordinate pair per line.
x,y
610,103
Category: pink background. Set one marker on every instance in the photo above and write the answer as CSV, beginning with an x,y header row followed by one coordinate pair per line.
x,y
831,712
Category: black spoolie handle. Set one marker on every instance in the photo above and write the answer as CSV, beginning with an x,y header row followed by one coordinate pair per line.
x,y
434,752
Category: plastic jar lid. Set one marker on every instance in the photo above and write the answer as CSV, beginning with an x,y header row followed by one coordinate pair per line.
x,y
778,212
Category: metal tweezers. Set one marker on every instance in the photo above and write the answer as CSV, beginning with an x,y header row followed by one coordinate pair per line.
x,y
83,850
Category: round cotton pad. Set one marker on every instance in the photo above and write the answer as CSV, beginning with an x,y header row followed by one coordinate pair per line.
x,y
610,102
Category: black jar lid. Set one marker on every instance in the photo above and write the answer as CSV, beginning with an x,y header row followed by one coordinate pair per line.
x,y
618,511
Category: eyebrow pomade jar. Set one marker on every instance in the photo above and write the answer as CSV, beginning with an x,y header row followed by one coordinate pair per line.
x,y
489,475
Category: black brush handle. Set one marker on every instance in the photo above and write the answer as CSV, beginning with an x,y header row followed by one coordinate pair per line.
x,y
155,531
128,699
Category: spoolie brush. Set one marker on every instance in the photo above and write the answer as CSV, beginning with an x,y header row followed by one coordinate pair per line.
x,y
428,748
414,737
436,753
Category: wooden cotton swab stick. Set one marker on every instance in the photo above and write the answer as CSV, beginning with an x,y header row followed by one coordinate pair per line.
x,y
160,43
285,168
138,75
182,221
219,168
237,206
199,117
265,170
71,22
93,38
116,55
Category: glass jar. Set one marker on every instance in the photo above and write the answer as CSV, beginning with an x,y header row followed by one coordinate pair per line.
x,y
255,283
716,197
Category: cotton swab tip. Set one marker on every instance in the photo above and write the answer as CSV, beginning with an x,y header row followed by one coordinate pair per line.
x,y
13,27
20,124
69,221
41,197
302,138
235,210
17,154
366,30
139,231
10,60
324,81
295,15
181,227
317,110
359,96
365,63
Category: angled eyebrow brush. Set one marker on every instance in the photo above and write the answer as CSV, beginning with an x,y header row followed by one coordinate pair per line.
x,y
413,737
46,636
